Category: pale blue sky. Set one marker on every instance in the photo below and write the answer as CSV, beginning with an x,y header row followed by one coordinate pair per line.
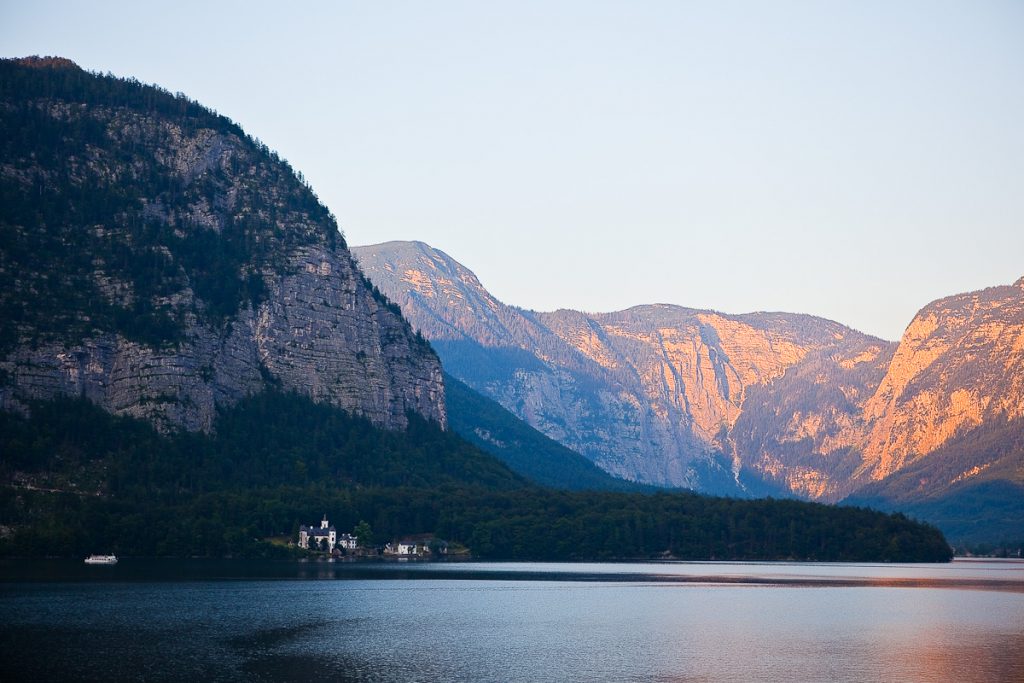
x,y
853,160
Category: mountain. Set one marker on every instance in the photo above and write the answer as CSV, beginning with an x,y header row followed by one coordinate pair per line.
x,y
804,430
959,366
163,264
493,429
762,403
191,362
945,435
651,393
915,411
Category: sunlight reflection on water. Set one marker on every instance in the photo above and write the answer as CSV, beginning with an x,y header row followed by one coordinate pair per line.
x,y
528,622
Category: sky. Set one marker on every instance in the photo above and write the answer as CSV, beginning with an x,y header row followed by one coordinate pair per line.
x,y
854,160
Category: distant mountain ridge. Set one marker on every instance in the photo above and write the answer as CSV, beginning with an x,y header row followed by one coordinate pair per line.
x,y
650,393
756,402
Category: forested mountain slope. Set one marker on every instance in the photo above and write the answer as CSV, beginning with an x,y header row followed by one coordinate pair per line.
x,y
162,263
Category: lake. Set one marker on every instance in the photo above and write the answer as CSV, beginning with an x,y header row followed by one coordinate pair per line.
x,y
680,621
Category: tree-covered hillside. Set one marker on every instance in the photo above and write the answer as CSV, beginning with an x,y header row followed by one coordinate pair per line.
x,y
78,480
157,260
111,175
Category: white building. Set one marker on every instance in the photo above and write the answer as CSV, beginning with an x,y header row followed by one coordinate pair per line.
x,y
347,541
408,548
417,546
325,532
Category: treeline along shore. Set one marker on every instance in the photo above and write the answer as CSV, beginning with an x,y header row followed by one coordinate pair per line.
x,y
77,479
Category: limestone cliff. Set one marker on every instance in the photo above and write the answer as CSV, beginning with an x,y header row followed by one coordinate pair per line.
x,y
161,263
677,396
651,393
959,365
804,430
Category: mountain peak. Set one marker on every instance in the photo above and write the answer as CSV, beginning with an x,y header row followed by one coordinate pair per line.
x,y
414,270
410,253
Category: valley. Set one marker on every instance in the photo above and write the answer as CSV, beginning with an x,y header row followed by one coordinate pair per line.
x,y
747,405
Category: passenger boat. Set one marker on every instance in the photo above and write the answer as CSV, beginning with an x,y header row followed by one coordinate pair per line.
x,y
101,559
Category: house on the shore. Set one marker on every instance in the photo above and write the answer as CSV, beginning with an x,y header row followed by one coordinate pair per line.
x,y
347,542
403,548
408,547
326,532
416,546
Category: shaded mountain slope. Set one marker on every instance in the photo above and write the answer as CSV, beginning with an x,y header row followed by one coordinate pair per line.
x,y
491,428
91,480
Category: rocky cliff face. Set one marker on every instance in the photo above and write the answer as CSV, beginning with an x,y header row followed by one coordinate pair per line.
x,y
959,365
651,393
161,263
665,394
804,430
866,411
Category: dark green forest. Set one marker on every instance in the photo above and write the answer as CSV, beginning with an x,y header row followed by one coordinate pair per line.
x,y
78,480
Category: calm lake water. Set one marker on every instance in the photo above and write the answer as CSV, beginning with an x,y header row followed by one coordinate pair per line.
x,y
177,620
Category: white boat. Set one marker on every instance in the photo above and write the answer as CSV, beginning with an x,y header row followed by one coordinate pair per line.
x,y
101,559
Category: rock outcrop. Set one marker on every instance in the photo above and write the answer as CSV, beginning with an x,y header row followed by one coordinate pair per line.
x,y
161,263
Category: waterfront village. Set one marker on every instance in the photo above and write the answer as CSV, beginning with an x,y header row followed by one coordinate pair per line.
x,y
359,543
